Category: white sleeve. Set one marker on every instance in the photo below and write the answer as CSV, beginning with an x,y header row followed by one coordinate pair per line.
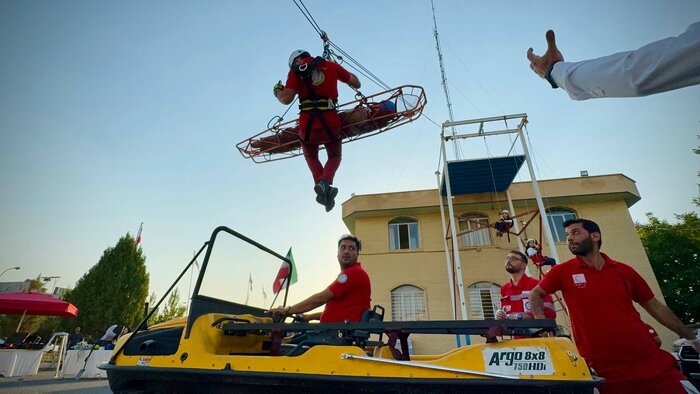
x,y
668,64
109,334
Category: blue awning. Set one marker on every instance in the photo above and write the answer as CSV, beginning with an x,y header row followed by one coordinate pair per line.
x,y
482,175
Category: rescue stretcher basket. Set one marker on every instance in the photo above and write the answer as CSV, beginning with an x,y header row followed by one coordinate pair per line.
x,y
361,118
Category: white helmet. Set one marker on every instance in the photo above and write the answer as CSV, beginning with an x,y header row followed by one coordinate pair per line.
x,y
530,240
296,54
505,211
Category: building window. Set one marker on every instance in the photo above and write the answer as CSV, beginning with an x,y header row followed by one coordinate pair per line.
x,y
556,218
408,304
403,234
485,299
480,235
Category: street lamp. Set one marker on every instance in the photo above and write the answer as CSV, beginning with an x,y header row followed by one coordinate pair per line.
x,y
12,268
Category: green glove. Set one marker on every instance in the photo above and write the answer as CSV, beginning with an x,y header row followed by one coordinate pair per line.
x,y
278,86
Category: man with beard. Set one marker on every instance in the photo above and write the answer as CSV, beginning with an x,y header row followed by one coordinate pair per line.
x,y
346,298
514,294
608,330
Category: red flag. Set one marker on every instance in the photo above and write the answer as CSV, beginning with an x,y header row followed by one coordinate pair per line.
x,y
138,236
281,278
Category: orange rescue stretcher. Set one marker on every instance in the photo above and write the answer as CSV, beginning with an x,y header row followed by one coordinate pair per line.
x,y
364,117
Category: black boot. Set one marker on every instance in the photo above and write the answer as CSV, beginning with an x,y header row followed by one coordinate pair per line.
x,y
331,192
321,190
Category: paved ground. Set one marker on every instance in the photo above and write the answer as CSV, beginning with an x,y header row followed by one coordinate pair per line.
x,y
44,382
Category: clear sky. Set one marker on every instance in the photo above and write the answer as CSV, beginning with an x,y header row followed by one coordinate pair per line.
x,y
117,113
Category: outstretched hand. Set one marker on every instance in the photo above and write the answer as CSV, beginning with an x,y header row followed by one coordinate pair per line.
x,y
278,87
541,64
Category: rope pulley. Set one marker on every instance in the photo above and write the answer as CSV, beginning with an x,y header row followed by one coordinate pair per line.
x,y
360,97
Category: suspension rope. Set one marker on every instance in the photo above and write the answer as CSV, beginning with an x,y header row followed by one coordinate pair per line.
x,y
358,66
493,178
328,53
308,16
278,119
432,121
512,141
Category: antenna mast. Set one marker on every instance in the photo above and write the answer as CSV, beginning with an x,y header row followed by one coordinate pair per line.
x,y
444,80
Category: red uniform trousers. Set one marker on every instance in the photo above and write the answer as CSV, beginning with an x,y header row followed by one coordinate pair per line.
x,y
657,373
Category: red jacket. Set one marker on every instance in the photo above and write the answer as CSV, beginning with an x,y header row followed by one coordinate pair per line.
x,y
322,83
514,298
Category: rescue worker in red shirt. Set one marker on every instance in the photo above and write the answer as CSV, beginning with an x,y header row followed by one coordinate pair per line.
x,y
346,298
608,330
315,80
514,294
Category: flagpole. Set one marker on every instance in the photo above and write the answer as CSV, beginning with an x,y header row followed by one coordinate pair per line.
x,y
137,241
278,293
288,279
249,287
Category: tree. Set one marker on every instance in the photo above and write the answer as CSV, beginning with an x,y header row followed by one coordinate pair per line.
x,y
113,291
152,301
696,200
673,251
173,308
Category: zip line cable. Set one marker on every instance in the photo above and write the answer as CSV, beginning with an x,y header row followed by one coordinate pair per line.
x,y
308,16
432,121
473,76
354,64
373,78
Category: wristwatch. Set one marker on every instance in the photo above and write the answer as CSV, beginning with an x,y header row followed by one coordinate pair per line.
x,y
548,75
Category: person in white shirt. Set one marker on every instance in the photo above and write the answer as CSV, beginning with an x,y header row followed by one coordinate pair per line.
x,y
113,333
668,64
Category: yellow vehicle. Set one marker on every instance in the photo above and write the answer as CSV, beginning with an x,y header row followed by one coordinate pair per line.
x,y
224,346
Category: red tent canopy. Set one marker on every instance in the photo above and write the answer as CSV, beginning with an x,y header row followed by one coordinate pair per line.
x,y
20,303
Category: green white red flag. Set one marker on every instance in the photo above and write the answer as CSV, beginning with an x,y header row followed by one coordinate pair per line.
x,y
138,236
283,274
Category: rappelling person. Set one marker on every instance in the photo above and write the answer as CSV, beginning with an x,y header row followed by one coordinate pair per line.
x,y
315,81
535,252
504,224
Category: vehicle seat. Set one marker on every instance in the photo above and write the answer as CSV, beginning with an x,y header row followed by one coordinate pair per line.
x,y
373,314
301,342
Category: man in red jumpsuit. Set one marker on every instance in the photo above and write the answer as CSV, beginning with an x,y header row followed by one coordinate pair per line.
x,y
315,80
514,294
346,298
608,330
